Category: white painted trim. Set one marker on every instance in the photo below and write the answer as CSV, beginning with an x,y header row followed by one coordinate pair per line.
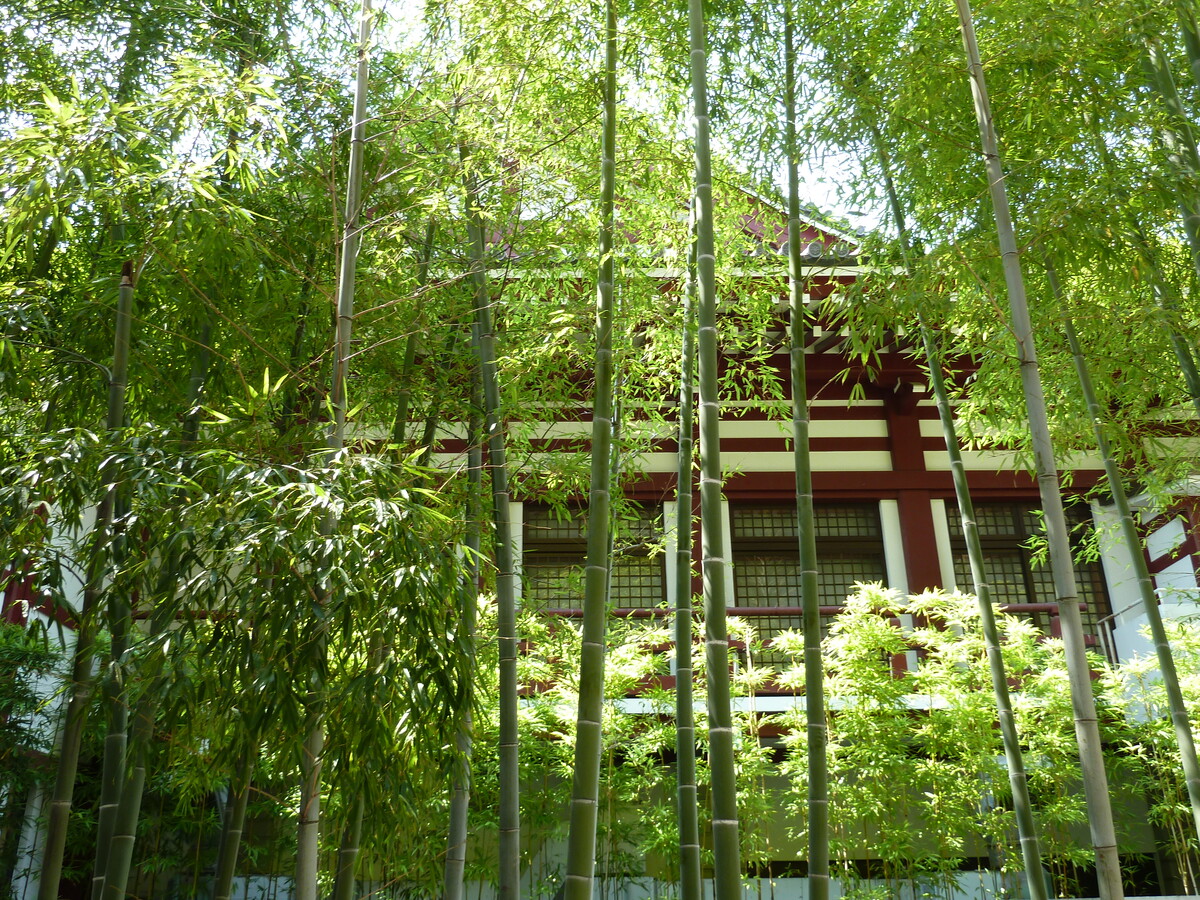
x,y
764,703
941,541
1004,461
822,461
787,404
820,428
893,545
895,565
727,536
516,522
732,461
670,546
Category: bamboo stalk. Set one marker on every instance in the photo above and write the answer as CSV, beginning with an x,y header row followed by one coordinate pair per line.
x,y
1087,731
484,338
116,871
1163,293
1129,533
1180,142
82,681
347,855
1190,30
309,812
116,713
581,835
687,800
814,669
400,423
1027,832
234,822
727,874
456,852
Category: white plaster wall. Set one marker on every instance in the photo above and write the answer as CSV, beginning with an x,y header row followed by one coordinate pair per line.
x,y
1123,593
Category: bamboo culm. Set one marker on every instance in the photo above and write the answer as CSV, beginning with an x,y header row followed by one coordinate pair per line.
x,y
116,707
347,855
1180,143
309,812
814,669
727,869
456,851
1027,834
1031,854
1129,533
116,712
484,338
581,835
687,798
124,834
1163,293
400,423
1087,731
234,821
82,681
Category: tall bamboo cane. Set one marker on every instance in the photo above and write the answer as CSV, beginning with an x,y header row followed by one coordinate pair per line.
x,y
119,853
484,338
1163,292
1189,28
347,854
1162,646
82,681
234,821
814,668
585,790
309,814
1018,780
116,713
1180,142
456,852
727,874
1087,731
687,801
400,423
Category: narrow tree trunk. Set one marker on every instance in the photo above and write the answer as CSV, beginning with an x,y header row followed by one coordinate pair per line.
x,y
309,813
1181,144
1087,731
116,713
687,800
347,855
1190,31
124,834
506,613
581,836
234,822
727,874
433,412
82,680
291,395
400,423
1163,292
456,852
1031,854
1129,532
814,669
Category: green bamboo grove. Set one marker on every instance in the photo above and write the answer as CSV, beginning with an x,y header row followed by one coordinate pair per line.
x,y
258,494
1095,781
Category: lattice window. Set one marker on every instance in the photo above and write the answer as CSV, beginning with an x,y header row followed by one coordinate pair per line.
x,y
766,560
555,552
1005,531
